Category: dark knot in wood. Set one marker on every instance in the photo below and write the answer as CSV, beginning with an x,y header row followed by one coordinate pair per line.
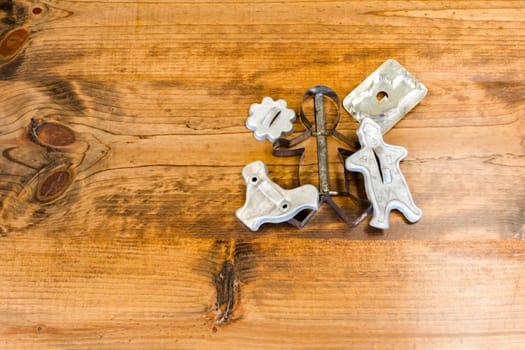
x,y
226,290
54,185
13,42
51,134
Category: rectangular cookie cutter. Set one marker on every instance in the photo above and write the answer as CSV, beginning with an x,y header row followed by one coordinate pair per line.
x,y
385,96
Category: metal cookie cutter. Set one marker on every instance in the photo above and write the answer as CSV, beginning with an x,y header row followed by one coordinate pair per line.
x,y
385,185
268,202
270,119
385,96
319,129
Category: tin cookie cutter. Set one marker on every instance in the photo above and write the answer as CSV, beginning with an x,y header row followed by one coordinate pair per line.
x,y
385,185
268,202
270,119
319,129
385,96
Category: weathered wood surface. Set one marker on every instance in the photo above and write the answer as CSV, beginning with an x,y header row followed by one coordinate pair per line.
x,y
122,140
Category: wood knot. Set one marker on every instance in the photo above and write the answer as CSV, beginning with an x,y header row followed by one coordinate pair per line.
x,y
13,42
54,185
227,292
51,134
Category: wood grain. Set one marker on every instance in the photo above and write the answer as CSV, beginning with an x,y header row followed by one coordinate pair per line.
x,y
122,292
122,141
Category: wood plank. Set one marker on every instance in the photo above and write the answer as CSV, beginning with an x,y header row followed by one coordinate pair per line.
x,y
122,140
133,292
461,179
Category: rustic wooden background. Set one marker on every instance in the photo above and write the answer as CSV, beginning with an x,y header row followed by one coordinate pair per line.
x,y
122,140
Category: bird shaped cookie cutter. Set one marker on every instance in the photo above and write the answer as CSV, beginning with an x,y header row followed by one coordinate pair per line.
x,y
268,202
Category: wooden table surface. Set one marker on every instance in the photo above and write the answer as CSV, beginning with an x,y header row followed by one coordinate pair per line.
x,y
122,137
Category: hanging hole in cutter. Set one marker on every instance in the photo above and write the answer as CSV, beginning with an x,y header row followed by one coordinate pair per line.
x,y
254,179
284,206
381,95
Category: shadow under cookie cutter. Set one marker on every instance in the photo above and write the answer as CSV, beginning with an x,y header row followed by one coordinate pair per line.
x,y
283,147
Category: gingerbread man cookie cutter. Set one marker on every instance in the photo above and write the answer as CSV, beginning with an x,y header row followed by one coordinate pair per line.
x,y
319,129
385,185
